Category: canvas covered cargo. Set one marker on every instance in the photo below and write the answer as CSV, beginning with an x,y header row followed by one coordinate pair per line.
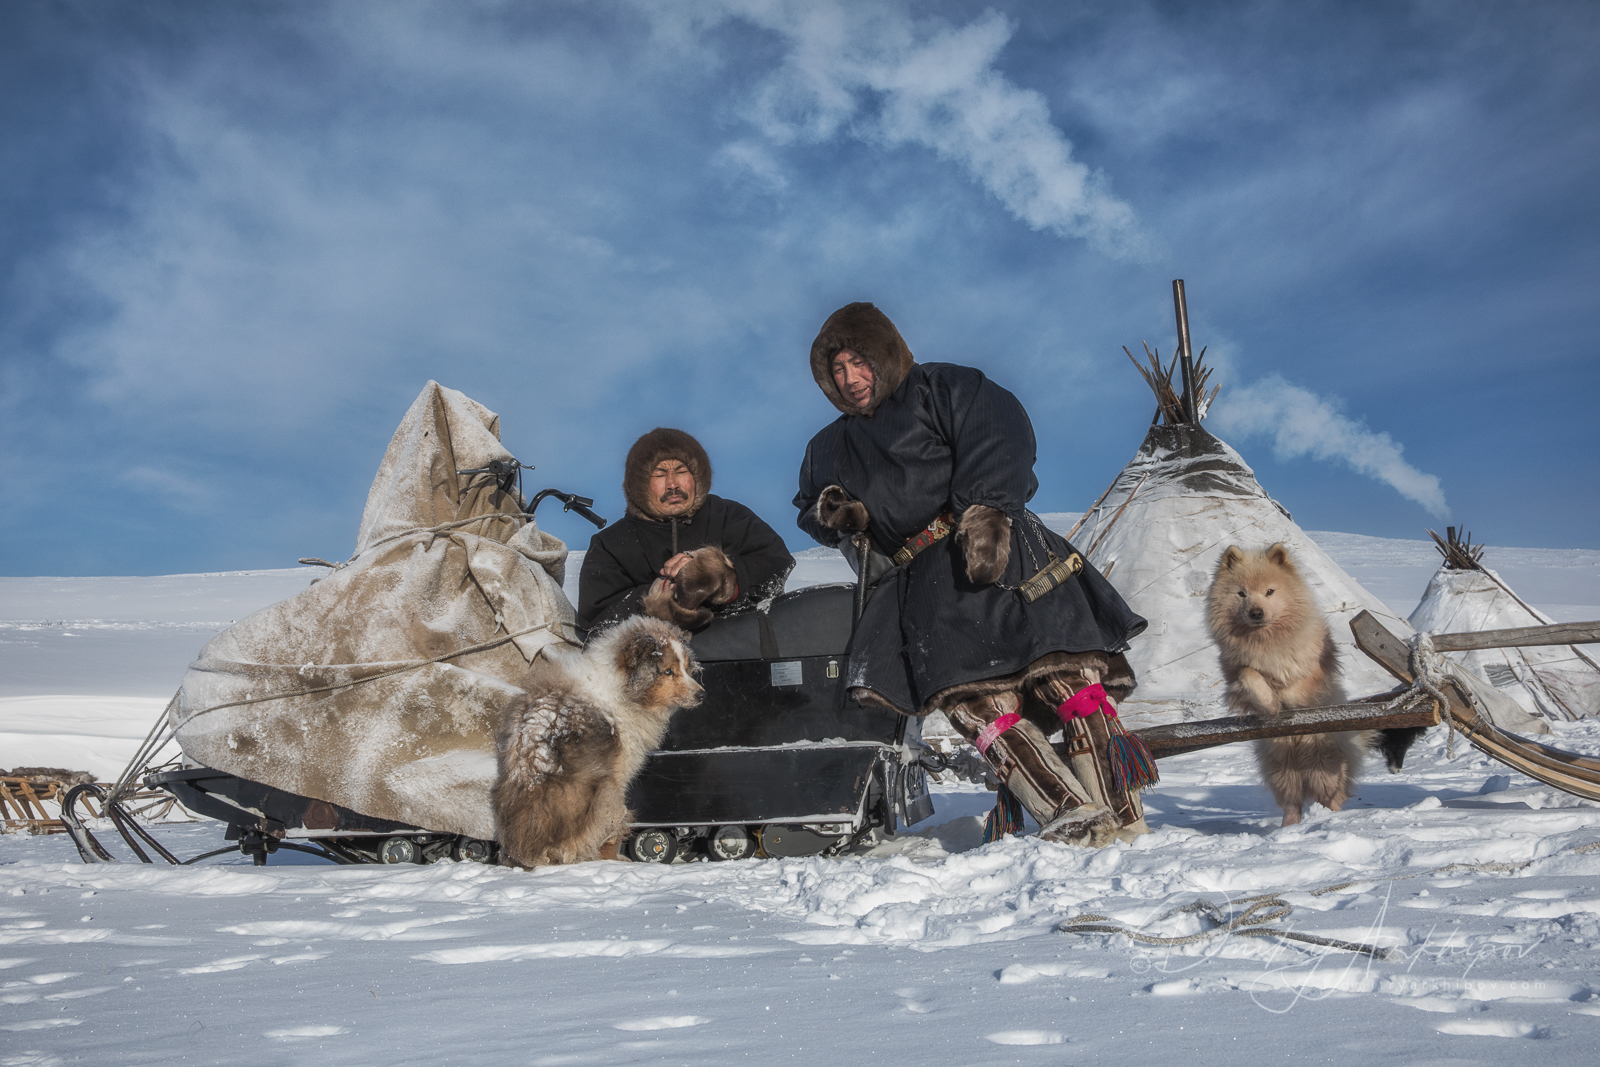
x,y
377,688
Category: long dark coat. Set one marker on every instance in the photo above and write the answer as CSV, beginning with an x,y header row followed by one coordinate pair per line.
x,y
625,557
948,438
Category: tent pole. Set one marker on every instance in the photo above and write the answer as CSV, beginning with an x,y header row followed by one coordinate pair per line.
x,y
1180,307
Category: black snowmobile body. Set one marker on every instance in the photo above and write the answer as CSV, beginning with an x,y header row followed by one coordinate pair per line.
x,y
777,760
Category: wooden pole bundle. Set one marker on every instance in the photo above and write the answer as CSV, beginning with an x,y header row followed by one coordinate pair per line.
x,y
1460,554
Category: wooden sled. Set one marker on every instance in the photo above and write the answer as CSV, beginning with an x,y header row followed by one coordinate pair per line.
x,y
1567,771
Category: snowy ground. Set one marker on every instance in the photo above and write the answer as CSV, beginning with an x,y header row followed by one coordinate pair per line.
x,y
928,949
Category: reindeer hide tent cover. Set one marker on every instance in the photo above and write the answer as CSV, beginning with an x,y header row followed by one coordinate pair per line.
x,y
415,745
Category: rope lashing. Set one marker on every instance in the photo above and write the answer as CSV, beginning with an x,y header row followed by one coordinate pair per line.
x,y
1249,923
1132,765
1425,674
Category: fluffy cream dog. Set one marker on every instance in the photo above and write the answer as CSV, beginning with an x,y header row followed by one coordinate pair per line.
x,y
568,749
1277,655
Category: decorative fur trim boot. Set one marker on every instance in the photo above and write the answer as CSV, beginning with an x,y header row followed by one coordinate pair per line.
x,y
1027,766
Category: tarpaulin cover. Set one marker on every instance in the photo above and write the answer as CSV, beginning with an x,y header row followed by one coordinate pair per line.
x,y
412,739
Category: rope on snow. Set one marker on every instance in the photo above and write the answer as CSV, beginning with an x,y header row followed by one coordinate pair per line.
x,y
1252,922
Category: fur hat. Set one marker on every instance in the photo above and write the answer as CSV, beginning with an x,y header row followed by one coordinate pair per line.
x,y
659,444
868,333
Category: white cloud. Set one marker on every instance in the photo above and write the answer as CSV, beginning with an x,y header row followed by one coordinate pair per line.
x,y
175,490
1304,424
872,72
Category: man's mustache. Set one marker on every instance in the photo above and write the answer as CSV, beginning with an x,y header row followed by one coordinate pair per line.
x,y
672,494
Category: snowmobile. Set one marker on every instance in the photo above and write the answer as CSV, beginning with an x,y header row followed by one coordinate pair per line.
x,y
777,760
355,720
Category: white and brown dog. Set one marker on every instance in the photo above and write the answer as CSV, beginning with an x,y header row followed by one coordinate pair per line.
x,y
568,749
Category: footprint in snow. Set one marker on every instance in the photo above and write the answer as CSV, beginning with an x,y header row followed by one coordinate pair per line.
x,y
1492,1028
1026,1037
662,1022
300,1032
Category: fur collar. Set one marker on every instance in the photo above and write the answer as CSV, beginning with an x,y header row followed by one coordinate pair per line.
x,y
655,446
868,333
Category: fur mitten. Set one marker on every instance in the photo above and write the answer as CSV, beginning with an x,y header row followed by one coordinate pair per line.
x,y
836,511
985,539
708,577
659,603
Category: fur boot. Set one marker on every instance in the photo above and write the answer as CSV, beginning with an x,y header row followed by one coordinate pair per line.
x,y
1086,747
1025,764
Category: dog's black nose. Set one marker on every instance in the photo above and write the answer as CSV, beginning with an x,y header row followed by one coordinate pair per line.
x,y
1256,614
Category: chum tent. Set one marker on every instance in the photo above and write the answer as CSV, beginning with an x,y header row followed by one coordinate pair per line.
x,y
1559,682
1159,530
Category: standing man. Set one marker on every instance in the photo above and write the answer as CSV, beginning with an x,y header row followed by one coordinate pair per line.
x,y
679,554
984,614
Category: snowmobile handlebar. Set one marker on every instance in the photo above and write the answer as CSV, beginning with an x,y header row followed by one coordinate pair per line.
x,y
498,467
570,502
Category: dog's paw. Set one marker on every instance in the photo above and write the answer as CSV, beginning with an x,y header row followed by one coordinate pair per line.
x,y
1252,694
985,540
836,511
707,578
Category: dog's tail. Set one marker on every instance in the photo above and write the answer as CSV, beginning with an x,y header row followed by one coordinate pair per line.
x,y
1395,743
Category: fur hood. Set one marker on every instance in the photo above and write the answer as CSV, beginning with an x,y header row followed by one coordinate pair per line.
x,y
655,446
868,333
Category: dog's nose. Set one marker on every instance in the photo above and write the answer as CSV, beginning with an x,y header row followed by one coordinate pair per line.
x,y
1256,614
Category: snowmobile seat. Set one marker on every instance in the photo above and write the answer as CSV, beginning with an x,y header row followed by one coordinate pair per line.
x,y
816,621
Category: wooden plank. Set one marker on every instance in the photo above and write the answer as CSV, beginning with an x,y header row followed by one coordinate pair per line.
x,y
1387,650
1178,738
1575,774
1564,633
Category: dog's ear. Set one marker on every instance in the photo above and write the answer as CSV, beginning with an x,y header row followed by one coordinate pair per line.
x,y
1279,554
1231,558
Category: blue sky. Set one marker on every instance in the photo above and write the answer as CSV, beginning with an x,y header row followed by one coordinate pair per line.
x,y
237,239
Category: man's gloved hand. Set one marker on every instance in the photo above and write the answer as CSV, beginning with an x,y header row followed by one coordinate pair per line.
x,y
836,511
985,540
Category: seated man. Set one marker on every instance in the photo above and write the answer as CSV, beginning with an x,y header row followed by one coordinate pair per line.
x,y
680,554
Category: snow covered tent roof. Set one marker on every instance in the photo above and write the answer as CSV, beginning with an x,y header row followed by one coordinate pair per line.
x,y
1157,534
1555,681
378,688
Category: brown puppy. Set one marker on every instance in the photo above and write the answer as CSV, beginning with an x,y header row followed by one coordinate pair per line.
x,y
1277,655
569,747
706,580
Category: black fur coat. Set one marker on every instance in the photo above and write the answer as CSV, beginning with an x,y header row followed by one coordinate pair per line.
x,y
624,558
945,437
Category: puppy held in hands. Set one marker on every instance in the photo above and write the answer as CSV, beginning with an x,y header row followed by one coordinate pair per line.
x,y
1278,655
568,748
706,581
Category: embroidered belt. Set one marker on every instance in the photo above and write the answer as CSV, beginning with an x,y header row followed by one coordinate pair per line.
x,y
937,530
